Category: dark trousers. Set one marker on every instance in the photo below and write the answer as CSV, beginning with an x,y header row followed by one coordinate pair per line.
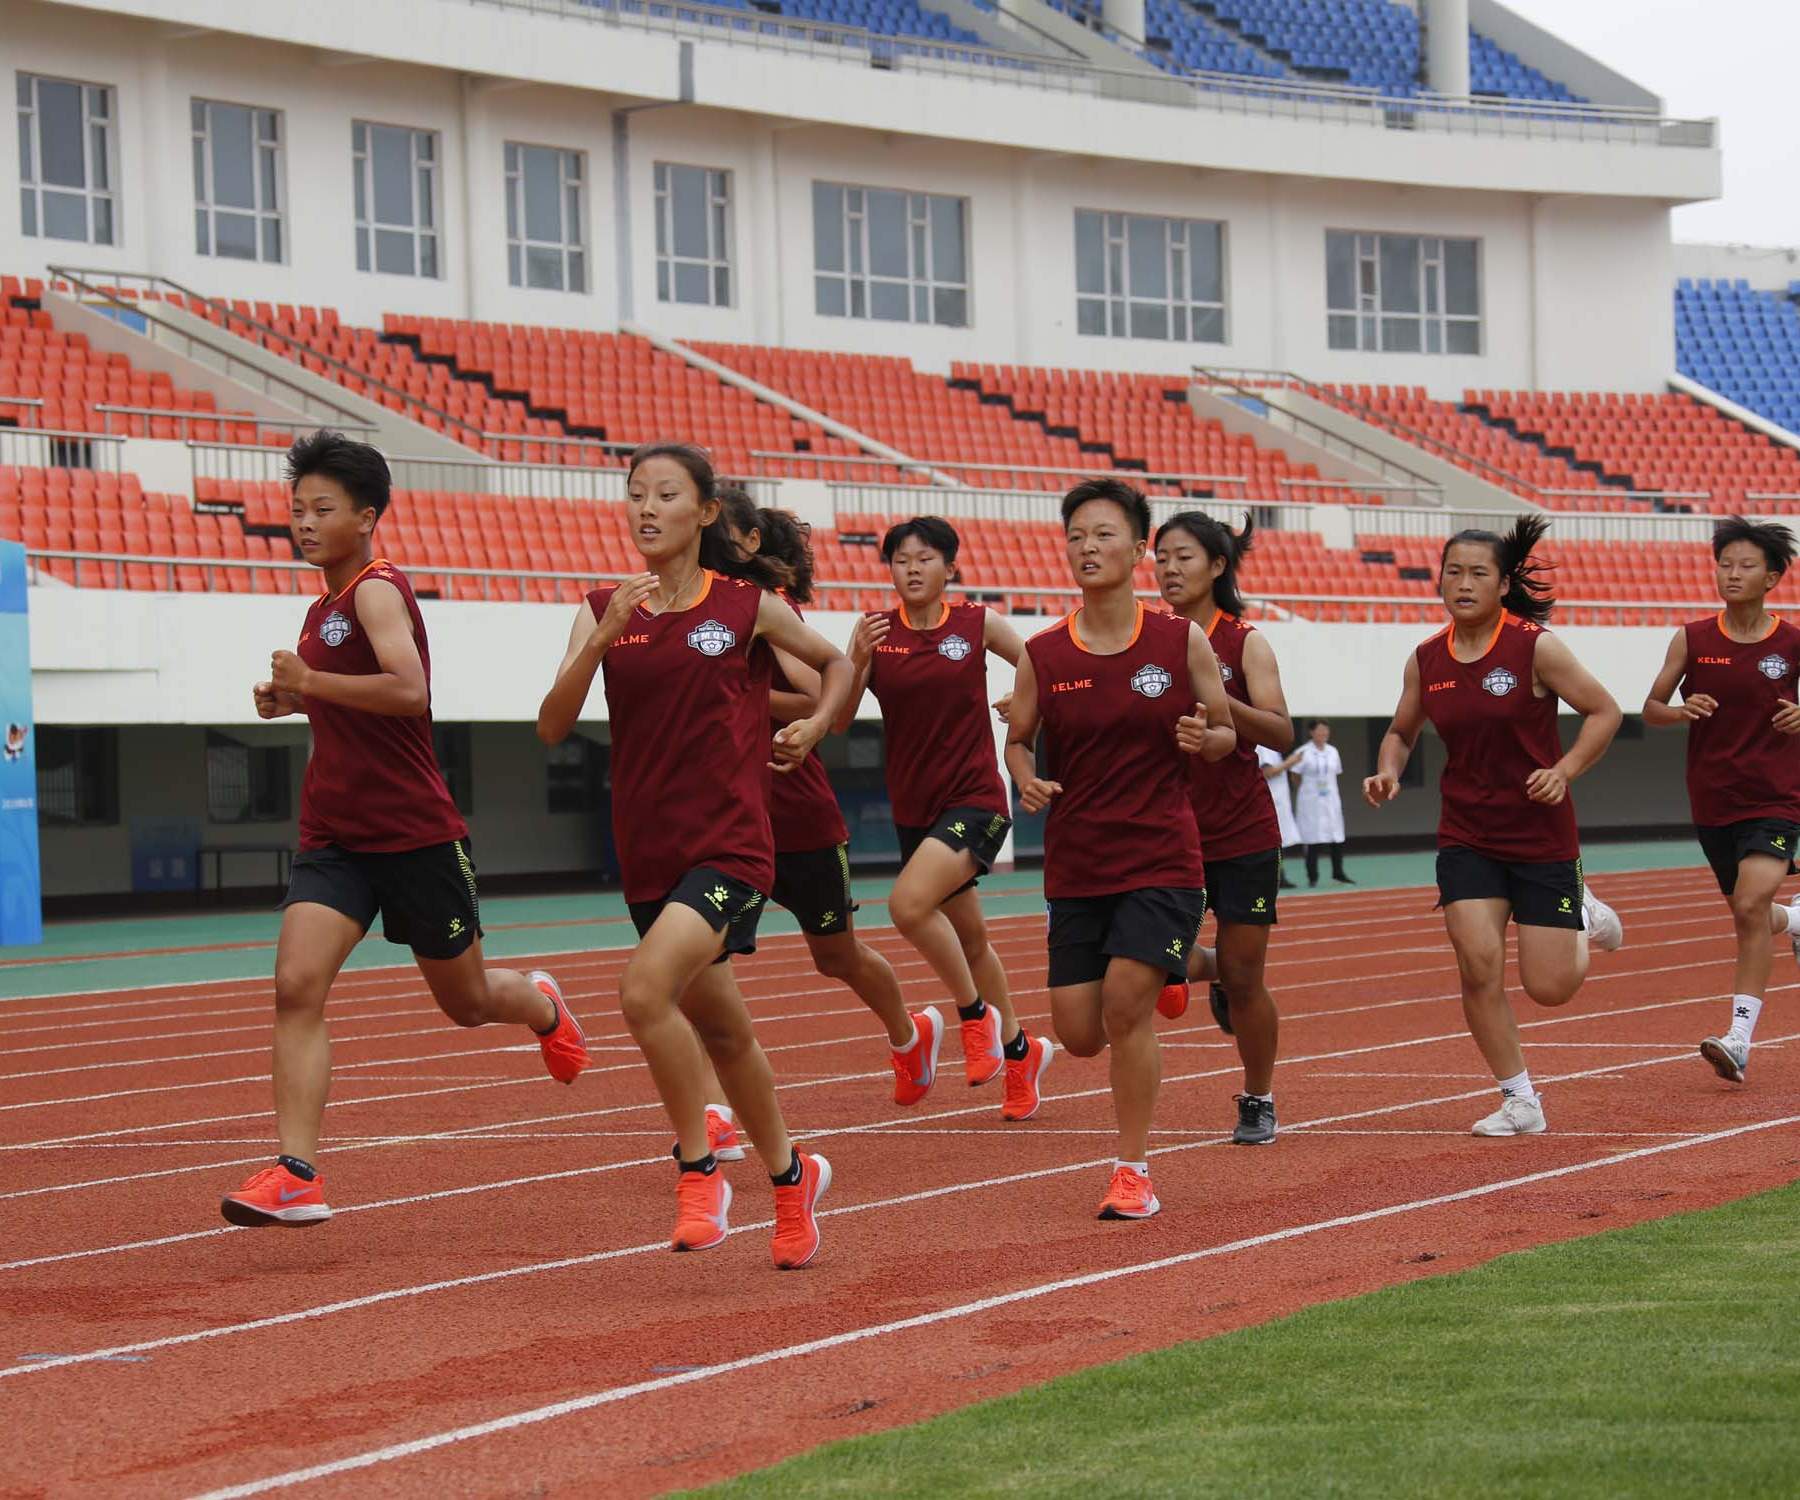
x,y
1312,861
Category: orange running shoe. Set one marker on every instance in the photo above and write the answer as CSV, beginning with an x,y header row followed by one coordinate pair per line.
x,y
796,1230
1172,1003
276,1196
1023,1075
722,1138
983,1056
565,1048
915,1069
1129,1195
702,1200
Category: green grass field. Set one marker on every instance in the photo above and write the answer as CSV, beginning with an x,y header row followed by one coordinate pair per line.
x,y
1662,1359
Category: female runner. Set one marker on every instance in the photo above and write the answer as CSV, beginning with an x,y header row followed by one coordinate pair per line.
x,y
688,699
1114,689
1197,559
926,663
1489,682
1736,671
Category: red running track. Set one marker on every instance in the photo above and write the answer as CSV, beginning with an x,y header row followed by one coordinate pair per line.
x,y
493,1306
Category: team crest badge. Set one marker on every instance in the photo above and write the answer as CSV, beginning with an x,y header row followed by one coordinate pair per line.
x,y
1152,681
954,647
1226,672
1500,682
335,629
710,638
1773,667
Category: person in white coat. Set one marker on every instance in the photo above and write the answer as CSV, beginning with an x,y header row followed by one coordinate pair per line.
x,y
1318,809
1275,768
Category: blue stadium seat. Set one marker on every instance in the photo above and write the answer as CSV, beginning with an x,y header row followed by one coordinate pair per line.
x,y
1744,344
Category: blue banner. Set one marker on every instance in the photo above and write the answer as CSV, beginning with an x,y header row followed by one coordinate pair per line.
x,y
21,902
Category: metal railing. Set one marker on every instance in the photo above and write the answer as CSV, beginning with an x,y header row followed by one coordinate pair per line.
x,y
34,404
1243,386
957,466
1226,93
878,499
212,355
45,448
184,421
1378,522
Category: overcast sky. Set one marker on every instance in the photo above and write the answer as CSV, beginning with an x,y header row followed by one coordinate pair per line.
x,y
1738,60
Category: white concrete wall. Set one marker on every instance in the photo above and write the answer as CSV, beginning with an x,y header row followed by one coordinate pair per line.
x,y
1024,159
1768,268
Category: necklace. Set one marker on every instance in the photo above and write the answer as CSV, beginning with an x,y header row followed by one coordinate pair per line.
x,y
669,603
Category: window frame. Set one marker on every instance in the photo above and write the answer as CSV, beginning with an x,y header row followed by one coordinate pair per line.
x,y
206,210
859,283
268,782
105,778
1366,326
719,260
28,122
425,186
572,250
1116,304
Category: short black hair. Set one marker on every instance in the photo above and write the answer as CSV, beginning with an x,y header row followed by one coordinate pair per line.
x,y
934,531
358,467
1775,540
1129,500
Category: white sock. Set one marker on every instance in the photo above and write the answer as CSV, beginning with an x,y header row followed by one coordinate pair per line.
x,y
1784,915
1744,1011
723,1111
1518,1086
1142,1168
913,1040
1261,1098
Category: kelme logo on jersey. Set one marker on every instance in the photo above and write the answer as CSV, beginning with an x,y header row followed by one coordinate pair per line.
x,y
1773,667
1152,681
334,630
1500,682
954,647
710,638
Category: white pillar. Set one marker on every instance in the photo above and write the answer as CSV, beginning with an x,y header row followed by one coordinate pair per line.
x,y
1124,16
1446,27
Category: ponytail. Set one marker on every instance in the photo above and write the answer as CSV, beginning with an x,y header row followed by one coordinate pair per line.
x,y
783,540
767,568
1218,541
1527,591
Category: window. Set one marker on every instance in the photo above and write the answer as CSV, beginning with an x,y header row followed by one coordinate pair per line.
x,y
543,219
396,199
693,235
1144,278
574,772
1402,293
246,783
77,776
451,743
66,165
237,181
896,257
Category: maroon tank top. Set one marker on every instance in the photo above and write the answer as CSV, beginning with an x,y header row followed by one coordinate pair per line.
x,y
1739,767
803,810
1232,802
372,783
932,687
1122,821
1496,732
689,703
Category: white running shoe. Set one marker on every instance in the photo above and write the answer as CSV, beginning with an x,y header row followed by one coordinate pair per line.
x,y
1514,1117
1604,929
1728,1056
1794,927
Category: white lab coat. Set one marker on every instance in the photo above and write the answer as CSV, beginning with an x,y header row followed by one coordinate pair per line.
x,y
1318,809
1282,793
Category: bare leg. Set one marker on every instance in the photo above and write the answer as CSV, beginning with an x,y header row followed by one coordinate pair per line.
x,y
916,903
964,912
1242,956
678,948
472,995
845,957
1075,1013
315,941
715,1006
1478,933
1552,963
1128,1004
1755,916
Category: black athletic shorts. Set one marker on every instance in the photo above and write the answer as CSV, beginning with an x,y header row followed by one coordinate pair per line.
x,y
1242,888
426,897
1156,926
729,906
814,884
1542,894
1726,845
981,833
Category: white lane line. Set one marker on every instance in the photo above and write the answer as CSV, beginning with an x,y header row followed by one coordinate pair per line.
x,y
617,1394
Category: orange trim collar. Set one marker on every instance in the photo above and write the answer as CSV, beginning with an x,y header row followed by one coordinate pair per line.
x,y
1218,615
1137,629
1774,624
364,571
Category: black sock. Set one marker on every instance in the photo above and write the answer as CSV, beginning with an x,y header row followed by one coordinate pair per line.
x,y
555,1020
789,1178
706,1166
1018,1047
973,1012
304,1170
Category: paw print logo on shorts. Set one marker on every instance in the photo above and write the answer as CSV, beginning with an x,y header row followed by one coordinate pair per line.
x,y
959,828
456,927
1500,682
717,896
1175,948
